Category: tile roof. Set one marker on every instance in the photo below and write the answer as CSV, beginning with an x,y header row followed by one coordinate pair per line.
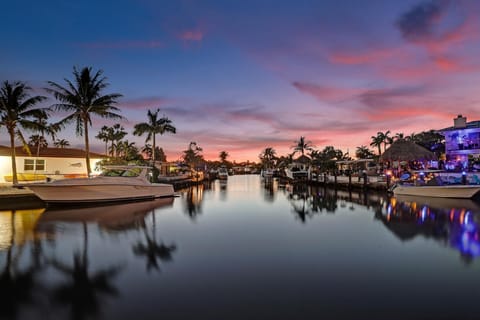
x,y
51,152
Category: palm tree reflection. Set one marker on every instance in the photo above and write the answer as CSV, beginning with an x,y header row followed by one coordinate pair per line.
x,y
85,289
193,201
152,250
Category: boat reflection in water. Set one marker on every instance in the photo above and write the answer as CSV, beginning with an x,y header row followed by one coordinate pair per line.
x,y
113,217
454,222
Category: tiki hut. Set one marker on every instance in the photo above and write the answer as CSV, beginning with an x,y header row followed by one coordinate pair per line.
x,y
403,150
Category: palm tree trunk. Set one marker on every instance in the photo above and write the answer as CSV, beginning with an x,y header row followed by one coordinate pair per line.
x,y
153,150
379,149
87,148
14,156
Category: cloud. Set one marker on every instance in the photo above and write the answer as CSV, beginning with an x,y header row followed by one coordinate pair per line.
x,y
145,103
325,93
152,44
191,35
420,22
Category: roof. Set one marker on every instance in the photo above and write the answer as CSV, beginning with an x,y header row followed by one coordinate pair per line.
x,y
50,152
469,125
403,150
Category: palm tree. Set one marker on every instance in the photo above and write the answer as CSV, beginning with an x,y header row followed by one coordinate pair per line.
x,y
223,155
363,152
103,136
83,98
152,127
117,133
61,143
16,112
38,142
377,142
302,146
267,157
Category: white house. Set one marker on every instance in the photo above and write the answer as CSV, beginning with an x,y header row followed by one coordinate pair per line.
x,y
54,163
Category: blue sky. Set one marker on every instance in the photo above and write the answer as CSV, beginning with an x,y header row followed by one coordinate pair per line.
x,y
241,76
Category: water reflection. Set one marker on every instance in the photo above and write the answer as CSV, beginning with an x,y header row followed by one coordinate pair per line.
x,y
83,289
44,269
451,222
308,201
193,199
153,250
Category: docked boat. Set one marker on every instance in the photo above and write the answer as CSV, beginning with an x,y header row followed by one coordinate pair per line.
x,y
298,171
116,183
222,173
444,191
432,183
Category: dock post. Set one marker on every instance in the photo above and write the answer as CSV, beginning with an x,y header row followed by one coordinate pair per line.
x,y
349,180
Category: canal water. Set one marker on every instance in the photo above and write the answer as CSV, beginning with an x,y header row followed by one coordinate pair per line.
x,y
244,249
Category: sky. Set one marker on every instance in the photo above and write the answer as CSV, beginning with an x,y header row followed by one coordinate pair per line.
x,y
243,75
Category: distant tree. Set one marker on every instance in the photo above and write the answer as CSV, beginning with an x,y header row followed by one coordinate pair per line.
x,y
38,142
302,145
267,157
103,135
61,143
363,152
192,156
223,155
17,111
82,99
153,127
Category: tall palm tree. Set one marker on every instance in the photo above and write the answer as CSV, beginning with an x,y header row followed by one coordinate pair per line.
x,y
82,99
17,109
302,145
153,127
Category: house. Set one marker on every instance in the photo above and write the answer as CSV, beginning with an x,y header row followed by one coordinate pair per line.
x,y
462,144
54,163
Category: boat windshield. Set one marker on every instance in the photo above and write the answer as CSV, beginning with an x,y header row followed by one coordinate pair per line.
x,y
133,172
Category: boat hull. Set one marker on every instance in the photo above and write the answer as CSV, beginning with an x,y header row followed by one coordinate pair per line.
x,y
453,191
78,193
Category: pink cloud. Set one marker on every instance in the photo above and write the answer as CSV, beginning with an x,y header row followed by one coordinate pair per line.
x,y
325,93
144,103
191,35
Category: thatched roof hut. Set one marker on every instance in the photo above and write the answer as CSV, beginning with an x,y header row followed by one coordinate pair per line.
x,y
403,150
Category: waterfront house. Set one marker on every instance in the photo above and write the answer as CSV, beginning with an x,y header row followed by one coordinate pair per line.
x,y
462,145
54,163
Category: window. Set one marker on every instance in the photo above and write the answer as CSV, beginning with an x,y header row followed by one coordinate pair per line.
x,y
34,164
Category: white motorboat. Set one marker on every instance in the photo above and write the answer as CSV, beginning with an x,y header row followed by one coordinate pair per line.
x,y
222,173
445,191
117,183
298,171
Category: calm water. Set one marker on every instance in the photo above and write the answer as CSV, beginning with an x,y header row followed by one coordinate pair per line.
x,y
244,249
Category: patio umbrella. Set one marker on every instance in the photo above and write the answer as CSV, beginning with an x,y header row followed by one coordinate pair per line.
x,y
403,150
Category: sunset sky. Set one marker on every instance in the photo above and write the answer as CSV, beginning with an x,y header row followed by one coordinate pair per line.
x,y
244,75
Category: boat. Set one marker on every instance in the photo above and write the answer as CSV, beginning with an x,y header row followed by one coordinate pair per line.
x,y
297,171
116,183
222,173
435,187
